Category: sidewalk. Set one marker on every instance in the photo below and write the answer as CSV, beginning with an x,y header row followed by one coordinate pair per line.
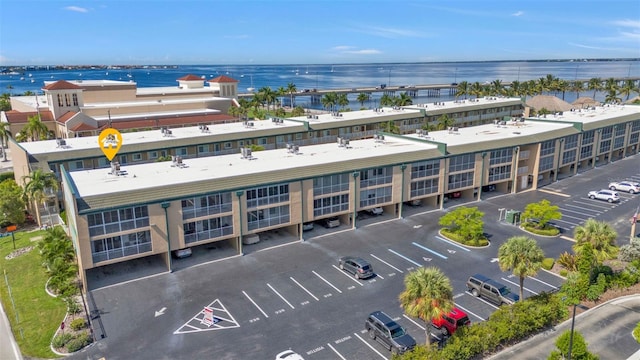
x,y
607,329
8,347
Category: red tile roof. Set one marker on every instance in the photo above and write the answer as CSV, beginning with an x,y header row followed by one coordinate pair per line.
x,y
61,85
17,117
66,116
171,121
223,79
190,77
83,127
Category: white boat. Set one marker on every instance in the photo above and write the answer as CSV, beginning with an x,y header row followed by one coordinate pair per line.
x,y
251,89
306,72
332,69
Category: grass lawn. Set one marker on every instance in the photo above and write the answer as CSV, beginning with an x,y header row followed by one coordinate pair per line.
x,y
39,314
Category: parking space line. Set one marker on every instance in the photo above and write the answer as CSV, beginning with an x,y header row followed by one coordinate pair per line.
x,y
406,258
481,299
370,347
576,218
452,243
429,250
542,282
303,288
414,322
386,263
380,276
581,208
593,204
518,285
469,312
254,304
554,274
567,238
325,280
336,351
553,192
345,274
281,297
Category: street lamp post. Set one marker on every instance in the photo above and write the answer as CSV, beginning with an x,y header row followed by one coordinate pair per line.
x,y
573,321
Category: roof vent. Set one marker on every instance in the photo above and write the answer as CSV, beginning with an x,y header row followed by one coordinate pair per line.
x,y
166,132
115,169
176,161
62,143
293,149
248,124
204,128
246,153
343,143
379,138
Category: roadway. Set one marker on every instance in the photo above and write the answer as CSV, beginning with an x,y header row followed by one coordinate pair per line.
x,y
295,296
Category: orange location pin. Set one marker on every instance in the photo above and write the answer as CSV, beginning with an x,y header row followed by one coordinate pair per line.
x,y
110,141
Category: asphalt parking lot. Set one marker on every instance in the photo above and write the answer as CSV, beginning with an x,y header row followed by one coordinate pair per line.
x,y
293,295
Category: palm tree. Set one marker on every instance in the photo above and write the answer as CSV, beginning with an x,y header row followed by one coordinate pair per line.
x,y
562,86
386,100
5,134
594,84
291,89
428,294
462,89
329,100
39,187
35,128
600,235
404,100
281,92
577,86
390,127
523,256
476,89
342,100
627,88
445,121
516,88
362,98
612,96
497,88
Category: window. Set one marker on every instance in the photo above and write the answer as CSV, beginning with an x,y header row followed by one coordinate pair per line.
x,y
137,157
331,184
227,145
262,141
118,220
587,137
586,152
152,155
122,159
571,142
76,165
546,163
499,173
569,157
181,151
75,99
424,187
330,205
120,246
279,139
262,218
203,149
502,156
606,133
425,169
299,136
377,176
206,205
369,197
548,148
67,101
461,180
462,162
59,97
208,229
605,146
267,195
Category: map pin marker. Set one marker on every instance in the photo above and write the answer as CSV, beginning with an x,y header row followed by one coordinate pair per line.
x,y
110,141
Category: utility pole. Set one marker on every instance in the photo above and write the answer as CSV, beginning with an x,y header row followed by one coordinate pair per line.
x,y
634,219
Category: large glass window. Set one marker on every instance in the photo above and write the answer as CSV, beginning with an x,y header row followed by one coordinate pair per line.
x,y
605,146
546,163
425,169
499,173
461,180
120,246
206,205
330,205
424,187
502,156
330,184
268,217
606,133
207,229
377,176
571,142
586,152
267,195
375,196
548,148
118,220
587,137
569,157
462,162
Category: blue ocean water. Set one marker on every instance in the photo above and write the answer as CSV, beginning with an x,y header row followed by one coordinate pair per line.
x,y
338,75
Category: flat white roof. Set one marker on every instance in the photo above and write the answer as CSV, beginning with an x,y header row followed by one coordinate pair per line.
x,y
162,174
354,115
593,114
154,102
140,137
463,103
491,132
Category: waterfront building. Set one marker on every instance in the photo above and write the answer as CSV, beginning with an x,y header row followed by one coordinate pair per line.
x,y
132,211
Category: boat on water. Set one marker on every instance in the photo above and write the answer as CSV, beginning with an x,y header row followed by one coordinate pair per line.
x,y
251,89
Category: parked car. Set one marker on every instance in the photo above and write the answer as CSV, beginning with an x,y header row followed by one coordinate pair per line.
x,y
375,211
289,355
628,186
387,332
449,323
331,222
307,226
358,267
480,285
608,195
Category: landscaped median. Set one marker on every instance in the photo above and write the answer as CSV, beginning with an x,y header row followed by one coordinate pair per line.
x,y
464,225
34,315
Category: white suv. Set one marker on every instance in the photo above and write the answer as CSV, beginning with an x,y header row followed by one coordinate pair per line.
x,y
608,195
628,186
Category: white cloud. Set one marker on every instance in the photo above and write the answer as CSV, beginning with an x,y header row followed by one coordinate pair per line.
x,y
364,52
77,9
601,48
627,23
342,48
518,13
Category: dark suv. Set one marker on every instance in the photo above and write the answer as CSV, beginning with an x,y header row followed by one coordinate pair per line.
x,y
480,285
358,267
387,332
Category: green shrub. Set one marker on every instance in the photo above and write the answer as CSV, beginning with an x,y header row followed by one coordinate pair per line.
x,y
72,305
547,263
61,340
78,343
457,238
564,272
636,332
568,261
630,252
77,324
6,176
578,347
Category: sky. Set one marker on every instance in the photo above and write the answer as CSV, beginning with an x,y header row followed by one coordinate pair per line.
x,y
189,32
